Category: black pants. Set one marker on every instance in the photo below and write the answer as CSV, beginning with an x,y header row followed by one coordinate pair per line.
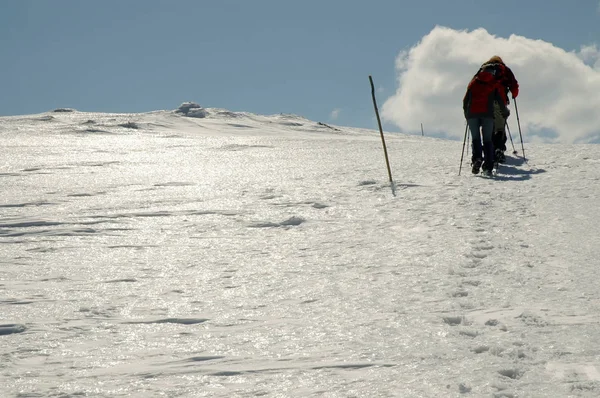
x,y
499,139
499,136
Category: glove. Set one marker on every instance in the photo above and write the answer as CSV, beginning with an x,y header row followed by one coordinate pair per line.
x,y
505,113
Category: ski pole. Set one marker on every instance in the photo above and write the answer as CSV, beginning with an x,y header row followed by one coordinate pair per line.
x,y
519,124
469,141
463,149
511,141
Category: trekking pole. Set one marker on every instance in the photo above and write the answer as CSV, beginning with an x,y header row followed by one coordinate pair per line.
x,y
469,141
387,161
463,150
519,124
511,141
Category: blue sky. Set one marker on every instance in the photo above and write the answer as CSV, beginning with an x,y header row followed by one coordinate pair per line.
x,y
309,57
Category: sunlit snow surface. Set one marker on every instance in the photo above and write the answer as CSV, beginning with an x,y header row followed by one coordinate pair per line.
x,y
238,255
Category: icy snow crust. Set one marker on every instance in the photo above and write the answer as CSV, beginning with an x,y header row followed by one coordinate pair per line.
x,y
240,255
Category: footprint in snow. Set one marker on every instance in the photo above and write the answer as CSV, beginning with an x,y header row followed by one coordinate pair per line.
x,y
483,246
292,221
477,254
453,320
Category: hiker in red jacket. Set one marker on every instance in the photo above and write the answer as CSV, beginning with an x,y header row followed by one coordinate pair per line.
x,y
506,78
483,92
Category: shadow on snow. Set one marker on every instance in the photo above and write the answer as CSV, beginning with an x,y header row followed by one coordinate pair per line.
x,y
508,171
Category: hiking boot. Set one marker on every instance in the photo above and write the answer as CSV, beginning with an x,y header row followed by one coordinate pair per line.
x,y
499,156
486,173
476,166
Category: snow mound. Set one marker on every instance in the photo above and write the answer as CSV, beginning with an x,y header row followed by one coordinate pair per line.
x,y
192,109
229,114
248,120
199,113
130,125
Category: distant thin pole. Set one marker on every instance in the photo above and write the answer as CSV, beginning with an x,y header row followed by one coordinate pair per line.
x,y
422,133
387,161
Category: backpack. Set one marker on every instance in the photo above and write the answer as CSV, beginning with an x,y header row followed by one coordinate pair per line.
x,y
494,71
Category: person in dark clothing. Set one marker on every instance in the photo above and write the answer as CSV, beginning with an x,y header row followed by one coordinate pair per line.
x,y
478,105
506,78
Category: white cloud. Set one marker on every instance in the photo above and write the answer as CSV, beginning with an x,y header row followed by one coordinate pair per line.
x,y
590,55
335,114
558,99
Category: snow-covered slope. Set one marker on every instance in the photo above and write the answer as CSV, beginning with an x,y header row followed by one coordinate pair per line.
x,y
208,253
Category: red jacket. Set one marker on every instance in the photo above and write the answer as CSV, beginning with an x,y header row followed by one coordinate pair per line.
x,y
483,90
